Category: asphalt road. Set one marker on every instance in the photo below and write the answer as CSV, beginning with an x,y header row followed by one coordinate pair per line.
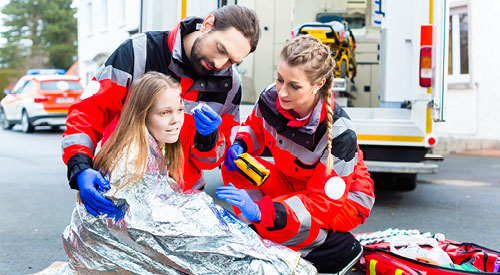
x,y
462,201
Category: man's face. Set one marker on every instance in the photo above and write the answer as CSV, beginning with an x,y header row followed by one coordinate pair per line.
x,y
216,50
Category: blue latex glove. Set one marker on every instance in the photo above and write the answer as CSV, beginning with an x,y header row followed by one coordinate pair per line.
x,y
206,120
89,181
240,199
232,153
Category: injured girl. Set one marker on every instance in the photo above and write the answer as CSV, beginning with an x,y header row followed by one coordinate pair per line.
x,y
158,228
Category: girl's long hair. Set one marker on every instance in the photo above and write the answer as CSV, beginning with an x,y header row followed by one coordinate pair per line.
x,y
131,130
311,52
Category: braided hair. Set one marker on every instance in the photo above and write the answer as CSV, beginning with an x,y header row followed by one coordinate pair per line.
x,y
319,64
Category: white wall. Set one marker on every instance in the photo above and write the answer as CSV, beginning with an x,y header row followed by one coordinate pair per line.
x,y
473,109
96,40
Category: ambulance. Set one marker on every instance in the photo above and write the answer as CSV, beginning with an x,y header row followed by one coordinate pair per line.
x,y
398,93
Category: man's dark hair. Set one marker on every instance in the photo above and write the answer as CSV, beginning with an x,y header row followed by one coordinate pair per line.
x,y
241,18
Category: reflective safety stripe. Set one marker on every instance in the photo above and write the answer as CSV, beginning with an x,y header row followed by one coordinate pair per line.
x,y
341,125
323,233
139,43
373,264
220,152
117,76
341,167
302,153
305,221
77,139
255,142
361,198
199,183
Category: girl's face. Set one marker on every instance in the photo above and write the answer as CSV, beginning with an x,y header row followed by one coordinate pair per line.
x,y
164,119
295,91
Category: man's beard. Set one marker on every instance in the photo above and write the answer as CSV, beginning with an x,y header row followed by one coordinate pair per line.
x,y
197,57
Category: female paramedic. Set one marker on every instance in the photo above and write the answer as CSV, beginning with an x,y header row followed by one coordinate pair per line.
x,y
318,188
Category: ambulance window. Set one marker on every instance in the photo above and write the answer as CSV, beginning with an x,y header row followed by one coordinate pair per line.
x,y
458,50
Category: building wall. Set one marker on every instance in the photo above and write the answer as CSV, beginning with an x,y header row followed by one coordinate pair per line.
x,y
473,108
102,26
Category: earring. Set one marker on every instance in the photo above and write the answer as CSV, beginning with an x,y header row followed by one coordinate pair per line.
x,y
315,91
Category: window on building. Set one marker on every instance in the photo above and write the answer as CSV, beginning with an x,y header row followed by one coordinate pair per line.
x,y
458,51
104,14
123,10
90,18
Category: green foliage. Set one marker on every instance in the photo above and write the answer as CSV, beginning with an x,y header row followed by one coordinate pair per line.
x,y
6,77
40,34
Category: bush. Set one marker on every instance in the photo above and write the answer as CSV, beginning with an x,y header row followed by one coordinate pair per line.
x,y
6,77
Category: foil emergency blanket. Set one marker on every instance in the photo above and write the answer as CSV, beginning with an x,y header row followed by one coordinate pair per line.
x,y
167,231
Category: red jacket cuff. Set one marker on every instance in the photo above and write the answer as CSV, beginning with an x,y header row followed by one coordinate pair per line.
x,y
267,212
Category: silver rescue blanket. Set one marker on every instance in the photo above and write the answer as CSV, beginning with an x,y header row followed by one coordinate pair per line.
x,y
163,230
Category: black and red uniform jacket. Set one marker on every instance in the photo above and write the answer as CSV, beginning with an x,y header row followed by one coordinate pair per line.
x,y
302,218
94,117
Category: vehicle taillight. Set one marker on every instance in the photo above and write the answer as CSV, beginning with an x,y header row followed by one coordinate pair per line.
x,y
425,66
39,99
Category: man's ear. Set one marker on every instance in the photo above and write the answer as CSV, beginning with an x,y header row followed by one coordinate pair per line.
x,y
208,23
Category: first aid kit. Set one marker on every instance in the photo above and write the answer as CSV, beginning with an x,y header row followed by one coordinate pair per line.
x,y
395,251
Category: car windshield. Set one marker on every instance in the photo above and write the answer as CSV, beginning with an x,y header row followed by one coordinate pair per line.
x,y
60,85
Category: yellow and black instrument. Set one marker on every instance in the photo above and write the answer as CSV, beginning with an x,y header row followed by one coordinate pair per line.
x,y
255,172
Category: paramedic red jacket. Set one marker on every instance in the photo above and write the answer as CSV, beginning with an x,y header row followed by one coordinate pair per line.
x,y
302,218
95,116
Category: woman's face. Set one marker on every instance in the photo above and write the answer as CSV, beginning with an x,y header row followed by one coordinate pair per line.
x,y
164,119
295,91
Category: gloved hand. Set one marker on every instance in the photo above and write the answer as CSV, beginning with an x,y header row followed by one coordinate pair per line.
x,y
241,199
206,120
88,181
232,153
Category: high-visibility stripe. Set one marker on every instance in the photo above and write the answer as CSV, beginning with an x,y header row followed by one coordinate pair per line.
x,y
341,167
323,233
391,138
361,198
117,76
220,152
305,221
77,139
398,272
256,147
373,264
140,53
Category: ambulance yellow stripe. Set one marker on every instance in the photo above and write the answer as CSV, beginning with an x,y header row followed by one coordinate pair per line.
x,y
183,9
391,138
428,126
373,263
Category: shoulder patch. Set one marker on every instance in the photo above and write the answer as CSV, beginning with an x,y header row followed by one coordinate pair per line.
x,y
335,188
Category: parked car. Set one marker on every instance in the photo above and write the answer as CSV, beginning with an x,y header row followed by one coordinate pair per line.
x,y
40,98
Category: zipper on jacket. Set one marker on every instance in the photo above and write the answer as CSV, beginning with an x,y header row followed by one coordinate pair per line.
x,y
253,168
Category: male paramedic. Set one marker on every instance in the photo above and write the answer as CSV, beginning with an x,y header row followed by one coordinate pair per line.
x,y
199,53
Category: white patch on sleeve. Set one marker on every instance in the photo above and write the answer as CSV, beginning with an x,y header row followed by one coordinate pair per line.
x,y
335,188
91,89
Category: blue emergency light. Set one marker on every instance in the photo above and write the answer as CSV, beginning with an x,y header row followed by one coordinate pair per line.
x,y
46,71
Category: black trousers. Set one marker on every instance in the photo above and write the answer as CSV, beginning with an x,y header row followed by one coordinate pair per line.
x,y
338,250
